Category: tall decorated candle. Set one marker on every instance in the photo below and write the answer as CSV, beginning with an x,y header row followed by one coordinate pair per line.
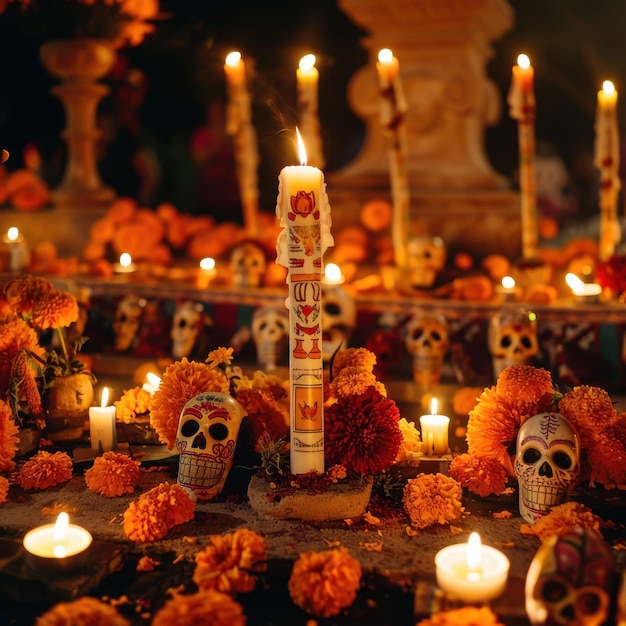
x,y
239,126
606,159
307,80
393,108
304,213
521,101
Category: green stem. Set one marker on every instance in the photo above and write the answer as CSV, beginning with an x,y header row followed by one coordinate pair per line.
x,y
64,349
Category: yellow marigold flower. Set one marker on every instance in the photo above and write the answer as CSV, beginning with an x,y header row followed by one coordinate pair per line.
x,y
181,381
354,357
206,607
85,610
4,489
25,292
353,381
113,474
324,583
411,445
432,499
465,616
230,562
57,309
157,511
562,519
45,470
9,440
133,402
220,356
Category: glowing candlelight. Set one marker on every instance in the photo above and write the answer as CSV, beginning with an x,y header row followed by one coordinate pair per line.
x,y
153,383
125,264
15,251
434,431
102,425
206,272
307,78
333,275
507,289
583,292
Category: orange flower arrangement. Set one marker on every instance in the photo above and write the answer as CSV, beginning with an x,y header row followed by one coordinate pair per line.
x,y
132,403
85,610
432,499
230,562
562,519
4,489
44,470
324,583
207,607
157,511
113,474
9,440
465,616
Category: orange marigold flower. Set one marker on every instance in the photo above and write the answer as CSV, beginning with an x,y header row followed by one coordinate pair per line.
x,y
4,489
181,381
353,381
230,562
411,444
113,474
605,458
220,356
432,499
133,402
562,519
336,473
465,616
206,607
24,293
9,440
85,610
15,335
465,399
480,475
28,388
528,387
354,357
57,309
157,511
45,470
324,583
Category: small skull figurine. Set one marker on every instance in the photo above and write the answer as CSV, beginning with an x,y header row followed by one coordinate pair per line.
x,y
207,434
568,580
547,461
187,323
427,257
426,337
338,319
270,331
247,264
127,322
512,339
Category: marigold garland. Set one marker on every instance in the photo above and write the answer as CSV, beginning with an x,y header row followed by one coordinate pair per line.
x,y
465,616
45,470
132,403
4,489
157,511
113,474
324,583
482,476
85,611
229,563
9,440
206,607
432,499
562,519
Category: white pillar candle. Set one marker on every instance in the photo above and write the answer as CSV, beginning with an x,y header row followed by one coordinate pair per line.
x,y
434,429
17,251
307,78
102,425
304,213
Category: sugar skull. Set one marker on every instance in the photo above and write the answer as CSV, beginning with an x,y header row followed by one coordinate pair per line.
x,y
207,434
128,316
270,331
427,257
512,339
426,337
338,319
547,461
568,580
187,322
247,264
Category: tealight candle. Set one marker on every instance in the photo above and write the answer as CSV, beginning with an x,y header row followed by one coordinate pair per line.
x,y
125,265
583,292
472,572
102,425
153,383
333,275
507,289
434,431
18,252
56,548
206,272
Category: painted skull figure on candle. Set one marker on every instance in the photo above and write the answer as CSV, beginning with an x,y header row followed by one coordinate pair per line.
x,y
547,462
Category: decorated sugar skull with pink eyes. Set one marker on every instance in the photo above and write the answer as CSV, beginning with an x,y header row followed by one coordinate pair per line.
x,y
206,438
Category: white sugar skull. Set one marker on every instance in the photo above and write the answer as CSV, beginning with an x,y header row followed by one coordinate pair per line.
x,y
207,434
512,339
427,257
270,331
338,319
187,322
427,338
547,461
569,579
247,264
128,316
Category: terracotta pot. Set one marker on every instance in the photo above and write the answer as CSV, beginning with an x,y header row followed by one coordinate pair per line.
x,y
67,407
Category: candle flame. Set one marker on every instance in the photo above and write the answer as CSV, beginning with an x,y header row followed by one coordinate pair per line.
x,y
233,58
508,282
208,263
13,233
608,87
307,62
153,379
105,397
301,148
434,406
473,552
60,527
125,259
385,55
523,61
573,281
59,551
332,274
